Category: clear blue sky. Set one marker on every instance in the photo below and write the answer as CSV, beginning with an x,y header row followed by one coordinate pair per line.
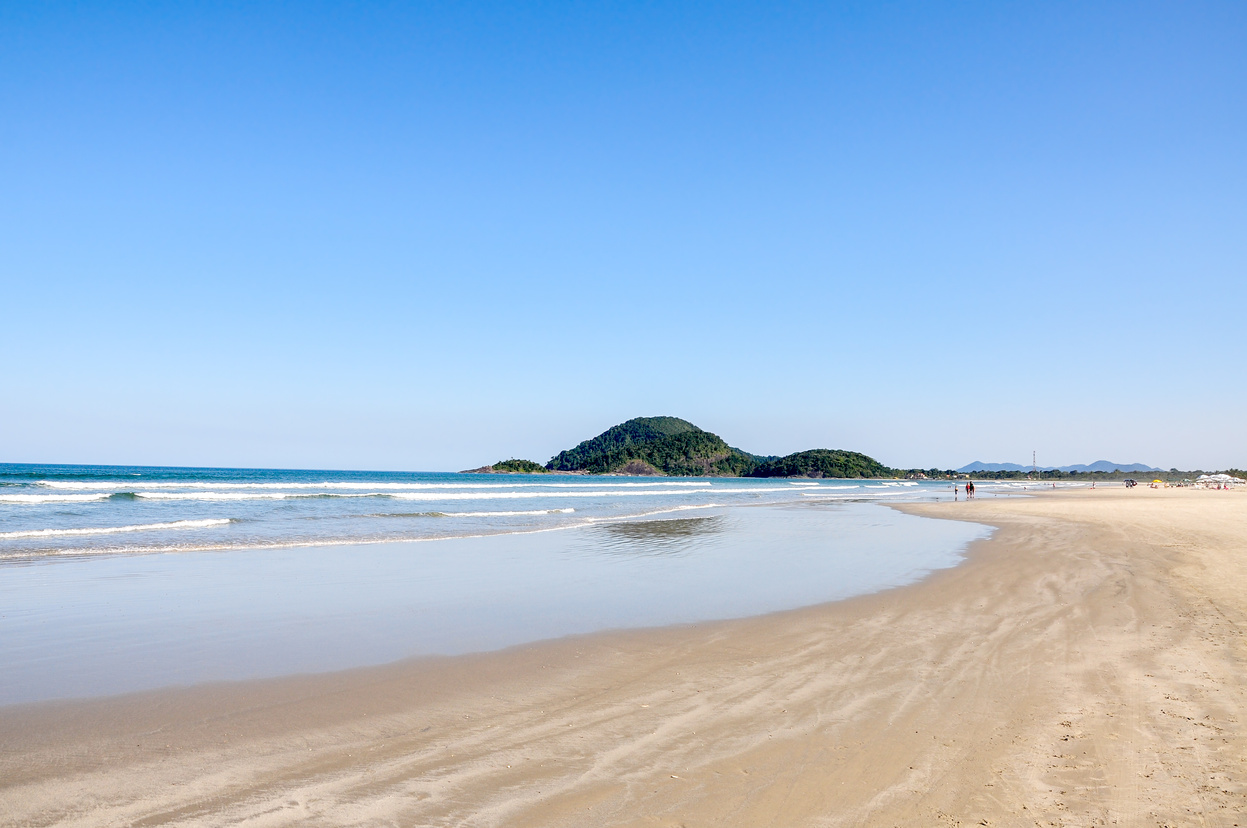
x,y
430,236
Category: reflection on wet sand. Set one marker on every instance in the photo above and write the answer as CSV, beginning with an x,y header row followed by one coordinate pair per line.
x,y
672,536
119,623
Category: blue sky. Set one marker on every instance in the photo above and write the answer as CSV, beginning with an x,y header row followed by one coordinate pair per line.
x,y
430,236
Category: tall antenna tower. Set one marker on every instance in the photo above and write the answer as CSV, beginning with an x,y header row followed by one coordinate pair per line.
x,y
1034,467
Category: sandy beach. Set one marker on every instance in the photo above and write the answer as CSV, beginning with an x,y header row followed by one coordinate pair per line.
x,y
1085,666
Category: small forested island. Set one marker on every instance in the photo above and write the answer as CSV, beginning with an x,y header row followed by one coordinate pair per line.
x,y
675,447
511,466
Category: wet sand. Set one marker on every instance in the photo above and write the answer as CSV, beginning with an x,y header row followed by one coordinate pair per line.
x,y
1087,665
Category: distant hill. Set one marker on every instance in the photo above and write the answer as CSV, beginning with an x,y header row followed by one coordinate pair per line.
x,y
979,465
655,445
1106,466
511,466
822,463
1097,466
514,466
671,446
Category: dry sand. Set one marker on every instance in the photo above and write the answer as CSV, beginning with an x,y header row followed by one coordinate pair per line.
x,y
1084,667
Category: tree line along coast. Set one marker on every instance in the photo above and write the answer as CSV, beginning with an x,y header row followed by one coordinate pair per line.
x,y
677,448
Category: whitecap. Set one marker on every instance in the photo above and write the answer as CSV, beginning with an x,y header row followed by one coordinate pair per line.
x,y
56,498
111,530
533,512
124,485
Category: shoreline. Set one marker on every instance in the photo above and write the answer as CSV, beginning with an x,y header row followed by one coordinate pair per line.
x,y
439,662
1032,682
250,521
108,626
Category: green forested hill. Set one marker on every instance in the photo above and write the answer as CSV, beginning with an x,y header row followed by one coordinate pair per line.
x,y
822,463
669,445
665,445
514,466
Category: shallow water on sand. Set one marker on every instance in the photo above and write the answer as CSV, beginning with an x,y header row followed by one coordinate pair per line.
x,y
100,625
70,511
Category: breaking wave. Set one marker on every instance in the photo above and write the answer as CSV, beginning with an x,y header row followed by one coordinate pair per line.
x,y
115,485
50,498
396,495
112,530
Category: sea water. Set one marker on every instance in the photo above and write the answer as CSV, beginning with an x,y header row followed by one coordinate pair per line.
x,y
49,511
119,579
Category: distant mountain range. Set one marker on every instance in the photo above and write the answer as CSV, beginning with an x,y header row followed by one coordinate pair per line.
x,y
1097,466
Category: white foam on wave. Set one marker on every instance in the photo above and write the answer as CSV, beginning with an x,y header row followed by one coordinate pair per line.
x,y
50,498
828,481
345,541
126,485
112,530
752,489
612,492
86,552
830,493
697,483
509,514
526,495
234,495
671,510
406,495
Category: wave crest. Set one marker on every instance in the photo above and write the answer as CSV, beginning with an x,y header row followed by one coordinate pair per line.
x,y
112,530
51,498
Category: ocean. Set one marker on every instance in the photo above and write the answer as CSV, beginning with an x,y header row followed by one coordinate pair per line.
x,y
116,579
48,511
